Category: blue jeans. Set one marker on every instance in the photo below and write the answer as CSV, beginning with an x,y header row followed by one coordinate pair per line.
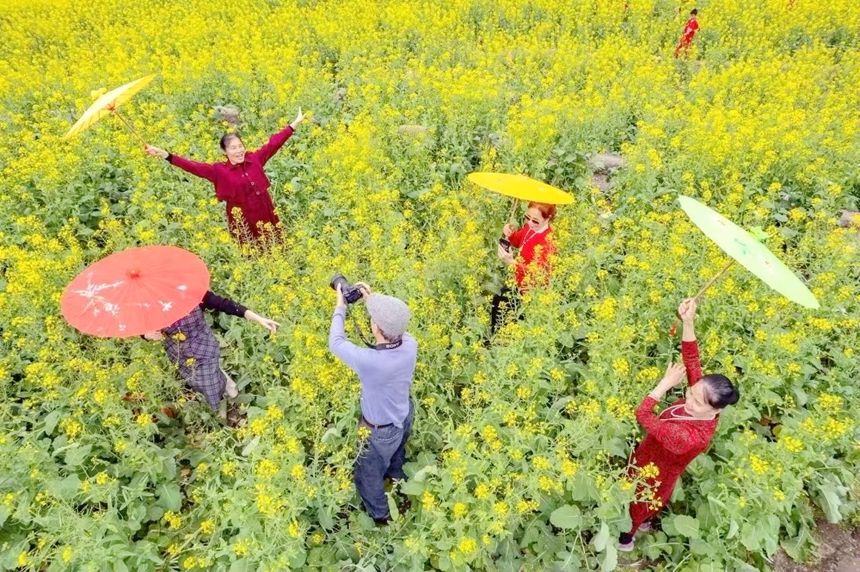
x,y
381,456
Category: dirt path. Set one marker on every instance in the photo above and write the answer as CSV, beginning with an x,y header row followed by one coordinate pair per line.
x,y
838,551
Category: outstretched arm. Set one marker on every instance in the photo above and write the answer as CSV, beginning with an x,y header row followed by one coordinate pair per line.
x,y
277,140
203,170
689,346
212,301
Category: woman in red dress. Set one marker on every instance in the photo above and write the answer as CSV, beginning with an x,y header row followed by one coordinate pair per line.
x,y
532,266
240,181
681,431
690,29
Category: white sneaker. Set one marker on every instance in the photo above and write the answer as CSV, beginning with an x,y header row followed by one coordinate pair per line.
x,y
626,547
230,389
645,526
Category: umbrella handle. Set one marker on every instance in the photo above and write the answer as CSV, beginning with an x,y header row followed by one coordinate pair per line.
x,y
127,124
673,329
514,204
716,277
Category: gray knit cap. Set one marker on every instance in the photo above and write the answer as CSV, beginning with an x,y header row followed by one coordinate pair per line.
x,y
390,314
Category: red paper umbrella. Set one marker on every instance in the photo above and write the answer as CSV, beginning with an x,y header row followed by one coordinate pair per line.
x,y
135,291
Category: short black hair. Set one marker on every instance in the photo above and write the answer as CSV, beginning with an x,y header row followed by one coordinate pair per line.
x,y
694,11
722,391
226,139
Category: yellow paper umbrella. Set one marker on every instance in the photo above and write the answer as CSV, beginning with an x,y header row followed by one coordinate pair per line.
x,y
521,187
107,104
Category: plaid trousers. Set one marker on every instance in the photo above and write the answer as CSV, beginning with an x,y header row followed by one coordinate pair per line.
x,y
192,347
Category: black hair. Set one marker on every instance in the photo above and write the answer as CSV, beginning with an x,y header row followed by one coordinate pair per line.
x,y
722,391
226,138
694,11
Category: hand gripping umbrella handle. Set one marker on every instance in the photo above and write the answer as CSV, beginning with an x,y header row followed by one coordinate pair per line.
x,y
514,204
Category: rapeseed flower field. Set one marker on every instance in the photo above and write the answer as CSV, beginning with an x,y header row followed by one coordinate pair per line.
x,y
518,459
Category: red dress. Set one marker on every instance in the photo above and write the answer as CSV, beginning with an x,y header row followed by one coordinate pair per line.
x,y
533,262
671,442
687,36
244,186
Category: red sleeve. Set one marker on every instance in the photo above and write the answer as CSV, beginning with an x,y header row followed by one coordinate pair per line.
x,y
203,170
675,437
690,356
275,142
516,239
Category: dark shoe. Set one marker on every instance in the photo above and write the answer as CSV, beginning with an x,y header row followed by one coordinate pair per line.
x,y
382,521
625,542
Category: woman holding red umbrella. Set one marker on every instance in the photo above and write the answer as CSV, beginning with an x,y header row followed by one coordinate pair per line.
x,y
193,348
680,432
159,292
240,180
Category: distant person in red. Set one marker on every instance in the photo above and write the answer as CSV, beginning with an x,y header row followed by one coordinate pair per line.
x,y
689,33
679,433
240,180
532,265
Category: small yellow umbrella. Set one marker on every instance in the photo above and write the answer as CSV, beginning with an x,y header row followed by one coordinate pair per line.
x,y
521,188
107,104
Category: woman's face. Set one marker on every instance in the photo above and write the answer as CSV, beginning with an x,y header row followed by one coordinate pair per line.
x,y
235,150
697,403
534,219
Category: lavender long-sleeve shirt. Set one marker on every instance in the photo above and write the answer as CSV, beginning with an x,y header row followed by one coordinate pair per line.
x,y
385,374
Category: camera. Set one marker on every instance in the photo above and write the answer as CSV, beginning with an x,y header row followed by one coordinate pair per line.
x,y
505,243
351,294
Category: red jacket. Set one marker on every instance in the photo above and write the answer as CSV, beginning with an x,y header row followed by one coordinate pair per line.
x,y
533,265
244,185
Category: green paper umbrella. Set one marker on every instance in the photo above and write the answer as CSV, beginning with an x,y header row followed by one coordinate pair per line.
x,y
744,249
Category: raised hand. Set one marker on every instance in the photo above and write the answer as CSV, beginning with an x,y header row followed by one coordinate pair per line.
x,y
672,378
364,288
156,151
298,120
687,310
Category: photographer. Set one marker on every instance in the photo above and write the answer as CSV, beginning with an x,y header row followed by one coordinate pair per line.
x,y
385,371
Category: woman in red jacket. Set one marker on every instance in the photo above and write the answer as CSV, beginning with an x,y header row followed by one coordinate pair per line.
x,y
532,266
240,180
681,431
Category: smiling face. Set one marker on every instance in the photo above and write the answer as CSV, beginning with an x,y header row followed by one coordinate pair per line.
x,y
234,150
698,401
